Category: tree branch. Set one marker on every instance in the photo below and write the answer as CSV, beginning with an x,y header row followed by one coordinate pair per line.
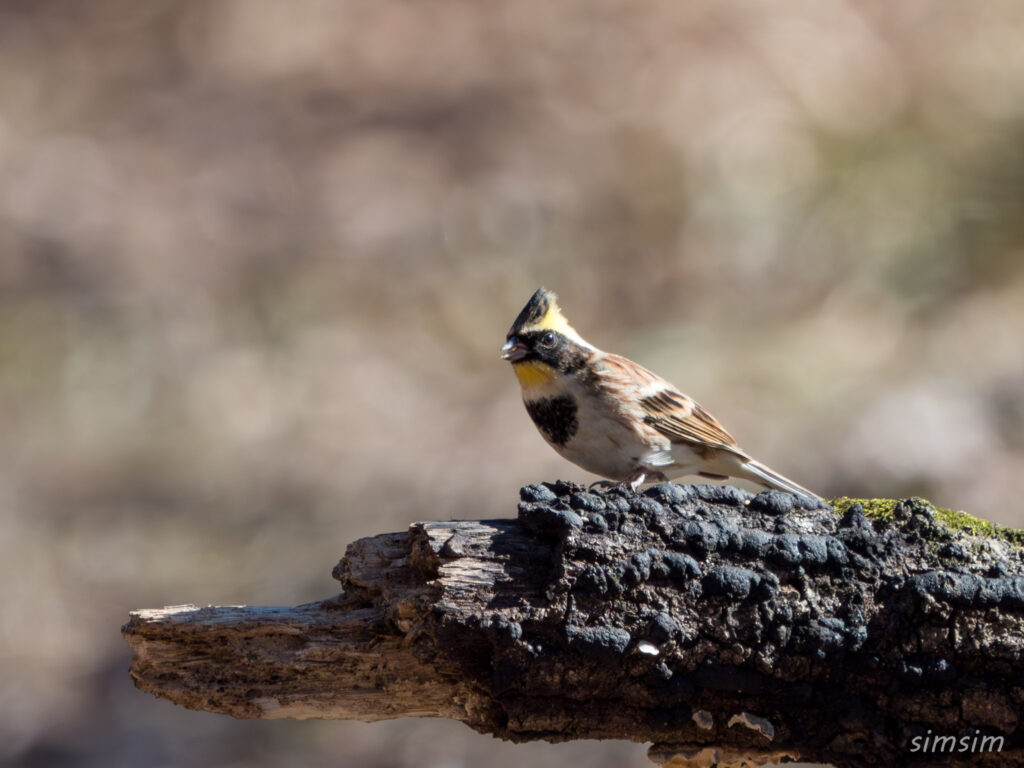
x,y
721,626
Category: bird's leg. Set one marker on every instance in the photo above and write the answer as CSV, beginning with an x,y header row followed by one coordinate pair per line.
x,y
634,482
642,474
637,479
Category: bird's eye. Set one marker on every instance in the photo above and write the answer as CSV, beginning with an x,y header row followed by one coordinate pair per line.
x,y
548,339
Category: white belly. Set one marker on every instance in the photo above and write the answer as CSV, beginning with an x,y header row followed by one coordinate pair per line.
x,y
607,446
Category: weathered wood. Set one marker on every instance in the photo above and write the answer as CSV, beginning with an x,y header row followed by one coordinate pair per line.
x,y
721,626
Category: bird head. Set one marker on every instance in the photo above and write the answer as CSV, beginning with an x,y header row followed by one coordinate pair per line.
x,y
541,343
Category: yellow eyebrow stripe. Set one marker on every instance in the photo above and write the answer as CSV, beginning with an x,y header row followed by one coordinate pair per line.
x,y
554,320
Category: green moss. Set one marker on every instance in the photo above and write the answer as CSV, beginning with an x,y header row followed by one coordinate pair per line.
x,y
961,521
883,510
875,509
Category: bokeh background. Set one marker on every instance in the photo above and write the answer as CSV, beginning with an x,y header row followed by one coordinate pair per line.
x,y
256,260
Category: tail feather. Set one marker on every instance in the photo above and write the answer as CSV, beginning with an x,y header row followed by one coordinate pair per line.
x,y
759,473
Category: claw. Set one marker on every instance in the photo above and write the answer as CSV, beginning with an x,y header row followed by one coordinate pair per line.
x,y
635,481
641,475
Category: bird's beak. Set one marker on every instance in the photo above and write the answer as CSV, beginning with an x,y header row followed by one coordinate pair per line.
x,y
513,350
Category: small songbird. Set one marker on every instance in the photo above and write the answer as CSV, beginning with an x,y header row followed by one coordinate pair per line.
x,y
614,417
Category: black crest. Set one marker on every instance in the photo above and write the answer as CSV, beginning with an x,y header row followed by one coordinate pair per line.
x,y
534,311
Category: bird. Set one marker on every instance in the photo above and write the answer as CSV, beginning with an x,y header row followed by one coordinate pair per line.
x,y
615,418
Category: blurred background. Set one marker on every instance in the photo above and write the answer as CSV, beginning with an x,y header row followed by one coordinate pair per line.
x,y
257,259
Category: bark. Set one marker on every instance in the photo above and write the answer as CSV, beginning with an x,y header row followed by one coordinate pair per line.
x,y
723,627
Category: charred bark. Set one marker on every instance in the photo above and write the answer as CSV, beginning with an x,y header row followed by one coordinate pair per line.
x,y
723,627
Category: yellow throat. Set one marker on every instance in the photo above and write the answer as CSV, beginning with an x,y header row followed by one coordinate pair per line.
x,y
533,373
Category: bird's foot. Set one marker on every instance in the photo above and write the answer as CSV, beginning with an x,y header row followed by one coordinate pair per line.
x,y
635,481
642,475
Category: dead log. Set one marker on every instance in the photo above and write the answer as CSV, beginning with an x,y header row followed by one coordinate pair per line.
x,y
723,627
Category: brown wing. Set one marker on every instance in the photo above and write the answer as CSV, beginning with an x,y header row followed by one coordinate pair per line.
x,y
623,378
681,419
661,406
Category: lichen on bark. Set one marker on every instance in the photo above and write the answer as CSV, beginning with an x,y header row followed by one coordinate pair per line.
x,y
883,510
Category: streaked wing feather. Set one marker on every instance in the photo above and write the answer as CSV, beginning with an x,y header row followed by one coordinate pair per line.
x,y
679,418
664,408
